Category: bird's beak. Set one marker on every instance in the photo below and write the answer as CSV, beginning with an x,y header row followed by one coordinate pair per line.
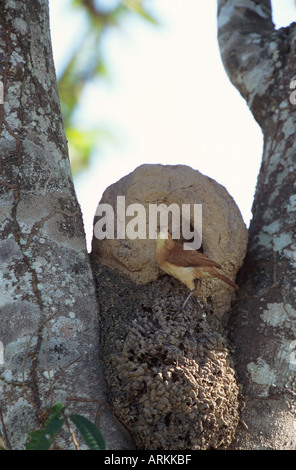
x,y
162,233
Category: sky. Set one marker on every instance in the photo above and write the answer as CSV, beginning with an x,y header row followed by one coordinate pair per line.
x,y
168,100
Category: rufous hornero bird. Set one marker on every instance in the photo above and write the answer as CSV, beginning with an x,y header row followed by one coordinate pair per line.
x,y
185,265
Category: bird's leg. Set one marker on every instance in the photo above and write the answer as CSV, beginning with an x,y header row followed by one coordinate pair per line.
x,y
187,298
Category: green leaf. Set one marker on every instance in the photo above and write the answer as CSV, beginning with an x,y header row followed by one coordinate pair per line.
x,y
90,433
2,445
43,438
137,6
54,422
37,440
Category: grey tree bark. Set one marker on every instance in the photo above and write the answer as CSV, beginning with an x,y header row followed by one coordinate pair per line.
x,y
48,307
260,62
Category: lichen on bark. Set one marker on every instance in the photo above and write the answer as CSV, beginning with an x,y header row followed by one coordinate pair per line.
x,y
260,62
48,307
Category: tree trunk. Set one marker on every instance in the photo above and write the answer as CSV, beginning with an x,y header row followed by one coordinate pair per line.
x,y
48,308
261,63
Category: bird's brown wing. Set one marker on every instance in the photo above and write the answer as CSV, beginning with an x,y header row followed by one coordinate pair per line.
x,y
186,258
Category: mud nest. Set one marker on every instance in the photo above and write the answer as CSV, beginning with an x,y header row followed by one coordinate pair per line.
x,y
169,372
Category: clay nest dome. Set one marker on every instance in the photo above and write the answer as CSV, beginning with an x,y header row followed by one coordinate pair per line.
x,y
224,234
169,372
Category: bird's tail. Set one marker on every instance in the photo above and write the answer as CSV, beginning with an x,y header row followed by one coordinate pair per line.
x,y
225,279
